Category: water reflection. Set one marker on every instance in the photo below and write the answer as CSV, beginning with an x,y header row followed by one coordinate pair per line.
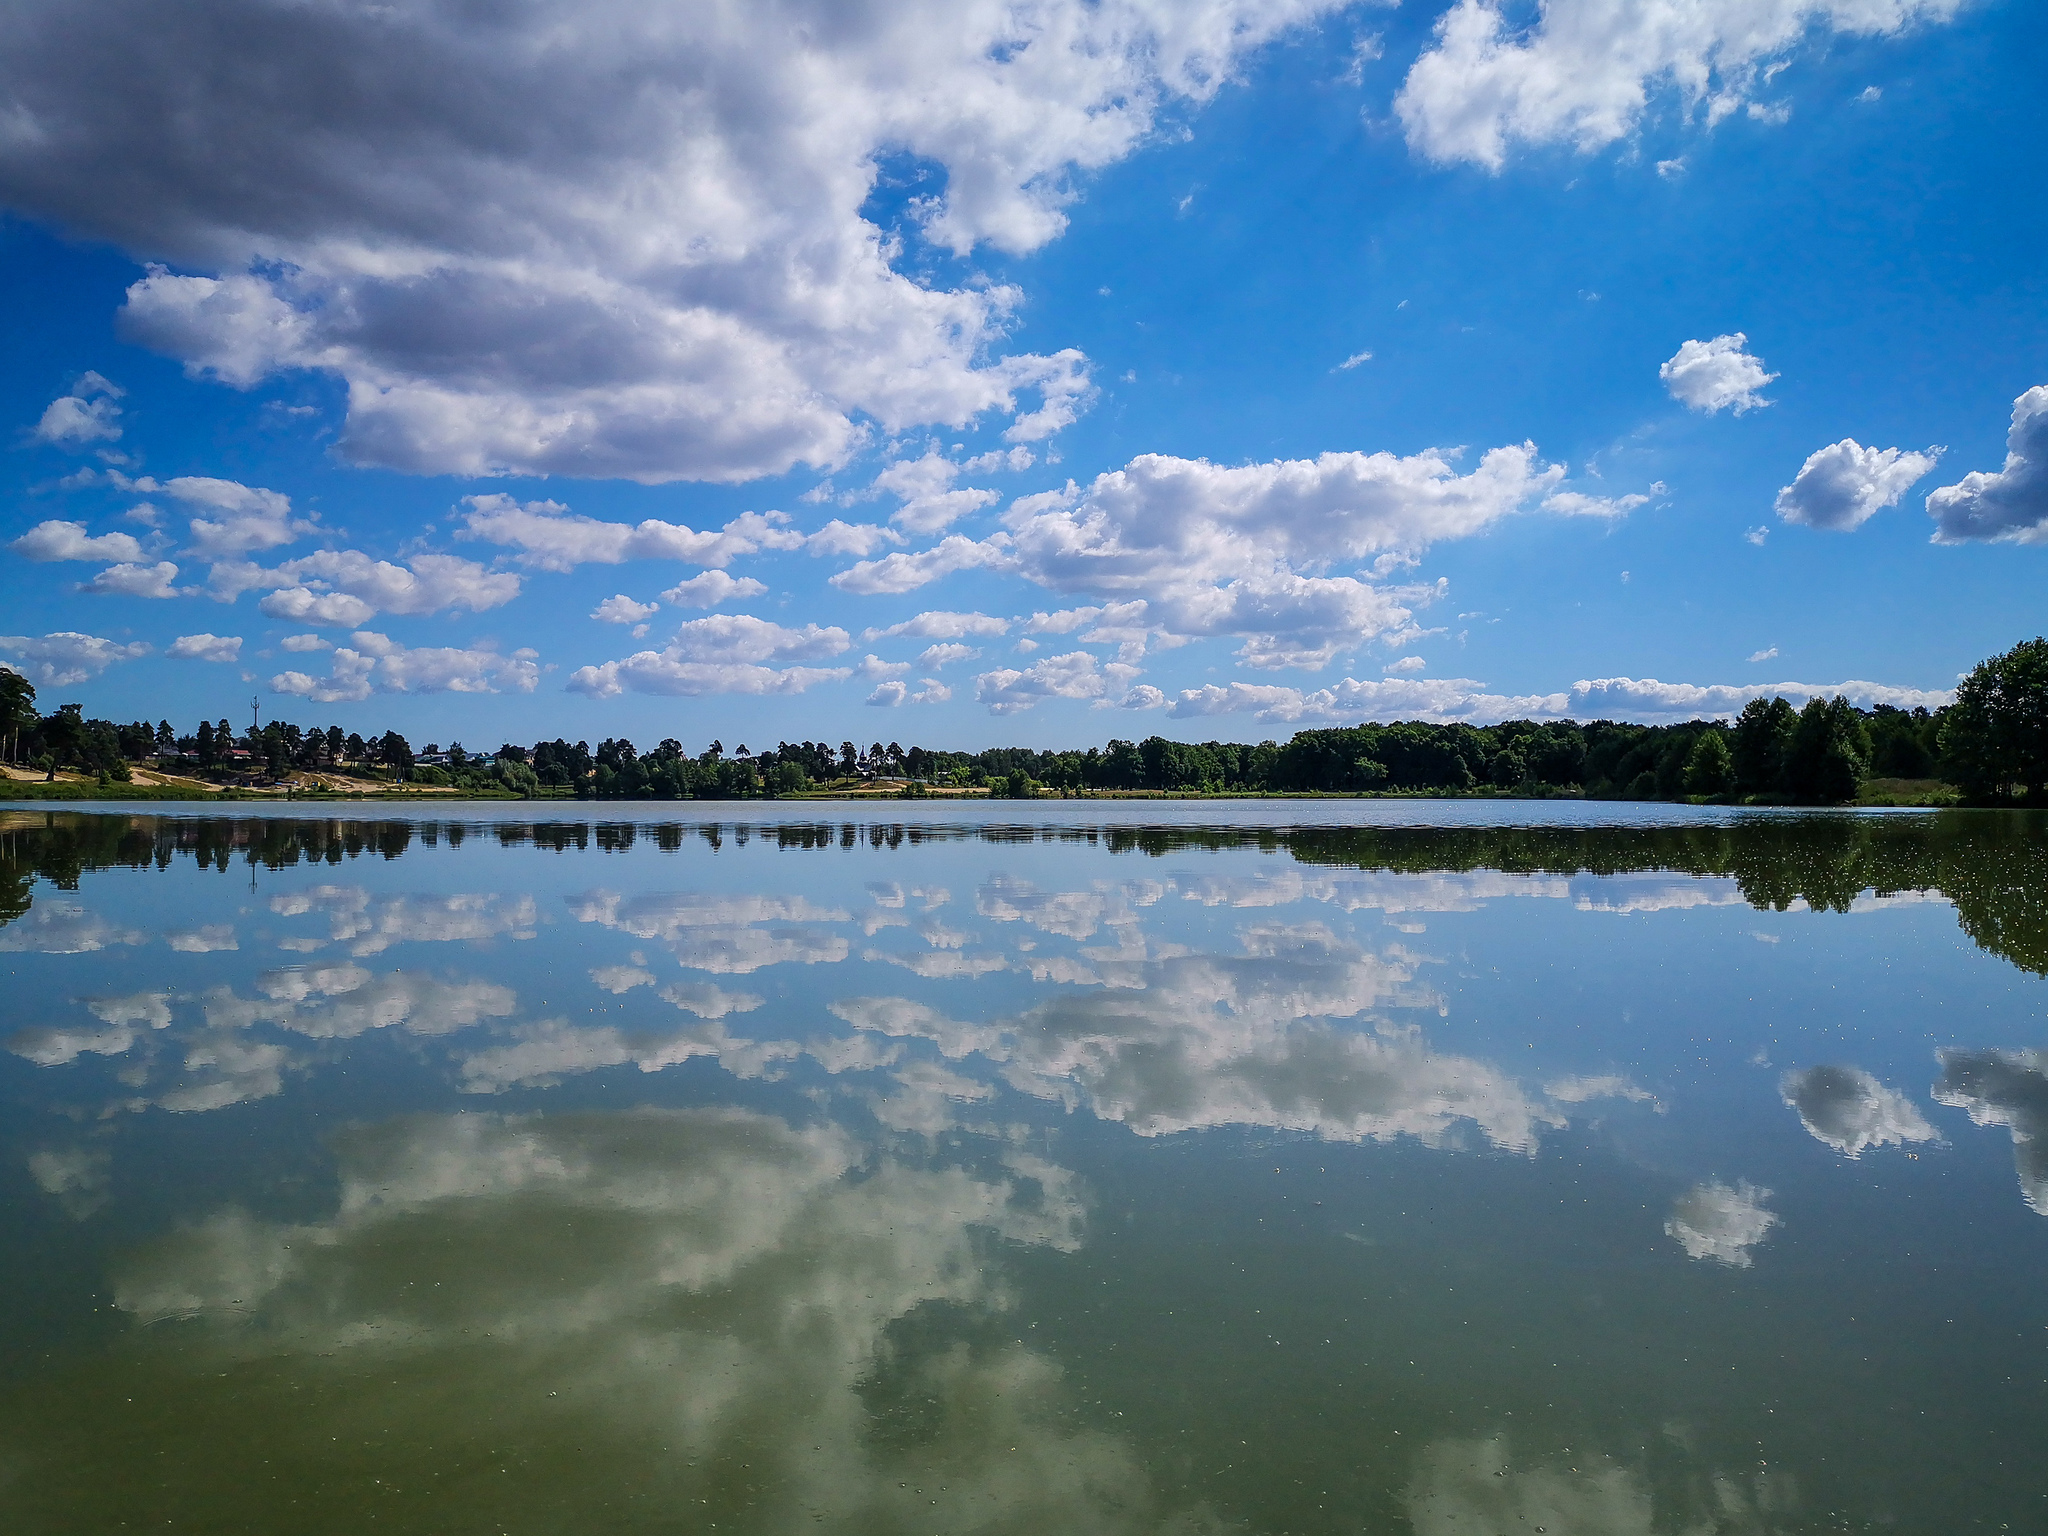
x,y
2008,1088
873,1176
646,1318
1848,1109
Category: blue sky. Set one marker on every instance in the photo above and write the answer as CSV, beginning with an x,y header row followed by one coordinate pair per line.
x,y
969,374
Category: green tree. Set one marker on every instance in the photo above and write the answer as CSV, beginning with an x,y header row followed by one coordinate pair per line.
x,y
1995,736
17,709
1710,768
1763,732
1829,754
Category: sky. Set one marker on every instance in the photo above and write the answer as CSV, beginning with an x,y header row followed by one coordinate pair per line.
x,y
973,373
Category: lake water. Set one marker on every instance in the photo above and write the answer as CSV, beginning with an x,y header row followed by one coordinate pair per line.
x,y
1470,1169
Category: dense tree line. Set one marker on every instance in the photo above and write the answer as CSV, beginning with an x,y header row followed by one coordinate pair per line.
x,y
1992,743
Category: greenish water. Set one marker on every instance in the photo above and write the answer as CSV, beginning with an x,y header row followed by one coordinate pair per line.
x,y
1543,1168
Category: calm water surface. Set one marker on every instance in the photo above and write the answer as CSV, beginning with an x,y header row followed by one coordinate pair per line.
x,y
1054,1168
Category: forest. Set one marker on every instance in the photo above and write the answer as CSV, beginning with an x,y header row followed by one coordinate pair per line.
x,y
1991,744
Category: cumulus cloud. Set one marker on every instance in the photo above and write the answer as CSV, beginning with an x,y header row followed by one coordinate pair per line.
x,y
1848,1109
1007,690
1462,698
551,538
131,580
57,540
1624,697
903,572
860,540
1353,700
930,502
1246,550
621,609
90,413
238,518
342,588
941,626
1716,375
888,695
1842,486
297,643
65,657
933,657
206,647
2009,505
1584,72
710,589
1721,1222
672,280
2008,1088
375,663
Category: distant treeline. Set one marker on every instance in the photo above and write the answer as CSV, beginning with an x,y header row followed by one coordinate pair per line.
x,y
1992,743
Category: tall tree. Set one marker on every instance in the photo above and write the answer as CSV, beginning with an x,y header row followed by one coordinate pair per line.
x,y
1995,736
17,709
1763,732
1829,754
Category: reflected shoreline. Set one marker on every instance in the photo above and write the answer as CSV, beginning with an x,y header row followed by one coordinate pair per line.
x,y
1992,864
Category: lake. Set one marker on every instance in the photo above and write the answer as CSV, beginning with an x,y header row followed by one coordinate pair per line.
x,y
1388,1166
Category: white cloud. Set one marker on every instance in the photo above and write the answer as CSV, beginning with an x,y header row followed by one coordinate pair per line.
x,y
857,539
1353,700
55,927
1448,699
621,609
306,643
724,653
1405,666
902,572
742,637
241,518
2009,505
1008,690
933,657
340,588
134,581
1716,375
673,280
888,695
1243,550
1144,696
56,540
1848,1109
1768,654
941,626
551,538
1628,698
1721,1222
206,647
65,657
89,414
1841,486
999,461
374,663
933,692
929,501
1353,361
1584,72
710,588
